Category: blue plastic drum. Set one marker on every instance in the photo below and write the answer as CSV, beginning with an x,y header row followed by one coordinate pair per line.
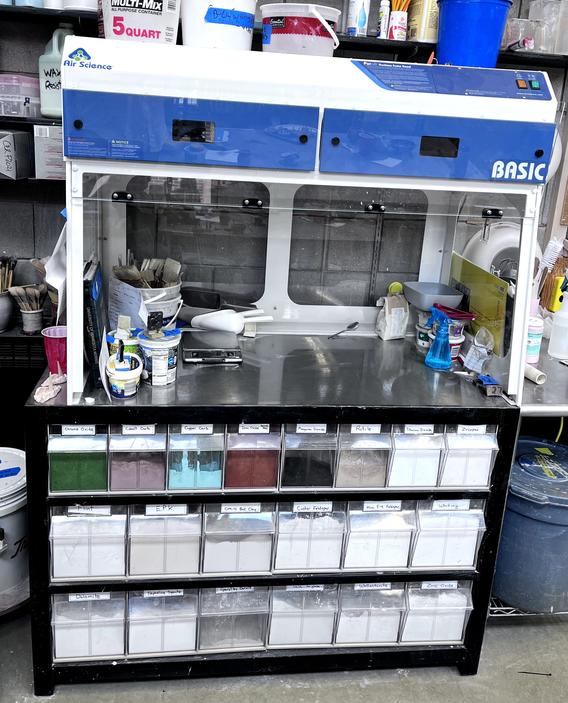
x,y
470,31
532,565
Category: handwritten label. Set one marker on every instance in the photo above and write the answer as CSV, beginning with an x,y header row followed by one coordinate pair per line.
x,y
446,505
472,429
229,508
83,430
247,428
77,597
164,594
305,588
139,429
372,587
168,509
303,428
387,506
419,429
88,510
235,589
321,507
197,429
365,429
439,585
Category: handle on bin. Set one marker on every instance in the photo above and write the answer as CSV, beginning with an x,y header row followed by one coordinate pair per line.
x,y
316,13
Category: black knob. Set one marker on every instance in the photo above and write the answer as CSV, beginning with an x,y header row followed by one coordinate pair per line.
x,y
303,138
78,124
539,153
335,141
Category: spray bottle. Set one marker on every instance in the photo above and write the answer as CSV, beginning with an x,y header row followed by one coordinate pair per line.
x,y
558,345
439,355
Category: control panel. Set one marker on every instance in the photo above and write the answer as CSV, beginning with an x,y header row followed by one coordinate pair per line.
x,y
456,80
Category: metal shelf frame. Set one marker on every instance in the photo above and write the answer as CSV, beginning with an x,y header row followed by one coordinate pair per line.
x,y
48,674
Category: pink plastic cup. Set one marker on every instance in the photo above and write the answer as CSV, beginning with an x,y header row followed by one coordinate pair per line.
x,y
55,341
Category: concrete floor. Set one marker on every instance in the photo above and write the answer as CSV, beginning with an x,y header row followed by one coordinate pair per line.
x,y
511,646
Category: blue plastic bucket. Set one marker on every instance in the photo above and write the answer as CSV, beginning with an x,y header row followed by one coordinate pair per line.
x,y
470,31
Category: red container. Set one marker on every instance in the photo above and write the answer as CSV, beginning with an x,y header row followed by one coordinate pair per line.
x,y
55,341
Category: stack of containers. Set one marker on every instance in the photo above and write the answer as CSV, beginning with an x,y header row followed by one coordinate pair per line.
x,y
137,457
238,538
196,457
253,456
165,540
78,458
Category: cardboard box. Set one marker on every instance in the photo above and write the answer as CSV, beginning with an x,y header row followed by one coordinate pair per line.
x,y
48,150
15,154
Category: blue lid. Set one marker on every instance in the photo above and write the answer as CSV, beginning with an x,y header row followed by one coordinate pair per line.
x,y
540,472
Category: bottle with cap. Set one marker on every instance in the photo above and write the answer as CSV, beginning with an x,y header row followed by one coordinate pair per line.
x,y
50,72
384,14
558,345
439,355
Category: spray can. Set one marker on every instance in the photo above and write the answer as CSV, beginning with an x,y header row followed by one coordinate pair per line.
x,y
384,14
358,18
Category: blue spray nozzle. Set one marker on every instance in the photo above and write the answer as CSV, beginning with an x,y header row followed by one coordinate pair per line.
x,y
439,355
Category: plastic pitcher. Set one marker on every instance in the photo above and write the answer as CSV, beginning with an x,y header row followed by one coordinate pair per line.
x,y
50,72
470,31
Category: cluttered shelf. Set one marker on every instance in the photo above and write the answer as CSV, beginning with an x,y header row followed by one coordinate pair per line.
x,y
41,14
550,398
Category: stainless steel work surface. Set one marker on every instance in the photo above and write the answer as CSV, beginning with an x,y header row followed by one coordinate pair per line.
x,y
550,399
290,370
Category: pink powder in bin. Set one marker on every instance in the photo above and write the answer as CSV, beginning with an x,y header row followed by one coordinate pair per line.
x,y
143,471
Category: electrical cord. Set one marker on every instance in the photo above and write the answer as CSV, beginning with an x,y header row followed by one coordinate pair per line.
x,y
560,430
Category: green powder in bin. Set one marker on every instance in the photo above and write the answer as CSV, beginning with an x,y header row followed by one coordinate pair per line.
x,y
77,471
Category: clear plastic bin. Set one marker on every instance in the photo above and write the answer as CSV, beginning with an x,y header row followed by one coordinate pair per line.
x,y
470,456
309,456
253,456
302,616
165,540
88,626
310,536
449,534
196,456
137,458
88,542
233,618
78,458
162,622
238,538
379,535
364,453
437,613
415,460
370,613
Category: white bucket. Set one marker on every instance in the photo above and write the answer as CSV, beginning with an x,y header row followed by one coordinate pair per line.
x,y
160,357
14,583
132,21
168,308
168,293
294,28
123,383
218,24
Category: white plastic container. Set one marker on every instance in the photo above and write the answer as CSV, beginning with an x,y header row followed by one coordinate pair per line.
x,y
160,357
126,20
416,457
225,24
79,5
233,618
384,15
534,339
437,612
358,18
398,22
52,4
50,72
558,345
295,28
14,583
470,455
123,383
302,616
162,622
369,613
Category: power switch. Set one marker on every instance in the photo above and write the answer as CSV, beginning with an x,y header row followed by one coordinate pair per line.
x,y
535,85
522,84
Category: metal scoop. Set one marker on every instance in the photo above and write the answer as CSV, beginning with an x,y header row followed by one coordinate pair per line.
x,y
352,326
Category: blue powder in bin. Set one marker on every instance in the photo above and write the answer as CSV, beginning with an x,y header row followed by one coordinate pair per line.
x,y
195,469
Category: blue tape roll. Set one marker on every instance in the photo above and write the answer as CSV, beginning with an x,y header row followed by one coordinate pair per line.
x,y
235,18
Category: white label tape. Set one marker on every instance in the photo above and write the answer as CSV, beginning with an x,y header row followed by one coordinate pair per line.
x,y
164,594
139,429
419,429
88,510
447,505
82,430
365,429
439,585
197,429
305,588
167,509
386,506
247,428
229,508
372,587
77,597
235,589
304,428
320,507
472,429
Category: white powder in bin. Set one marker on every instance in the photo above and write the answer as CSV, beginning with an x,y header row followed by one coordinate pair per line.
x,y
414,467
165,545
309,541
368,626
88,629
242,553
162,625
140,20
447,538
303,617
435,616
378,540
